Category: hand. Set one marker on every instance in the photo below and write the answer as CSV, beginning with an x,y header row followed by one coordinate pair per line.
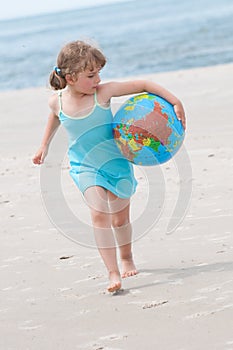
x,y
40,155
180,113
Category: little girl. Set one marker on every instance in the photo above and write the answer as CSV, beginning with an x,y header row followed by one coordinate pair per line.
x,y
105,178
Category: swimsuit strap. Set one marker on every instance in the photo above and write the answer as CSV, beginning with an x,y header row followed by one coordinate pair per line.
x,y
60,100
95,98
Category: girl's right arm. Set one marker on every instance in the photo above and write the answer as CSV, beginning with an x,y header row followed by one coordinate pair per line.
x,y
50,130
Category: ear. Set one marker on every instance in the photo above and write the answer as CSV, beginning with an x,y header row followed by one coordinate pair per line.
x,y
70,79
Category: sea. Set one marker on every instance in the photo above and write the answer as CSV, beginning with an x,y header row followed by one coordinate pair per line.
x,y
138,37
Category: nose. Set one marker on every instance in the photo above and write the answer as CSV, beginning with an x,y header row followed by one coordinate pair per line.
x,y
98,80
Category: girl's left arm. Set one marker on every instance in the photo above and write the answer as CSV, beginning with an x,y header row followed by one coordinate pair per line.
x,y
116,89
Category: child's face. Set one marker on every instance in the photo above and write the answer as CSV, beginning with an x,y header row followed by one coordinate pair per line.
x,y
87,81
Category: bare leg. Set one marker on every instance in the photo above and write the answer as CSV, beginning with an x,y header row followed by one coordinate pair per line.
x,y
123,232
128,267
97,200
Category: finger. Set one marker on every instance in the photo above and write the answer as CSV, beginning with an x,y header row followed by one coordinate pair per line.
x,y
183,121
36,160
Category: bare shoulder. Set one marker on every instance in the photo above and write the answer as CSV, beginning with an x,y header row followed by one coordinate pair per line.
x,y
54,103
106,90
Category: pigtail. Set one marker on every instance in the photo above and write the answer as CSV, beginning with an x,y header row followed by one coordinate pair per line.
x,y
57,80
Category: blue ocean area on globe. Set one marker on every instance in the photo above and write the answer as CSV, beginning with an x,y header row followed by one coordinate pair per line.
x,y
147,130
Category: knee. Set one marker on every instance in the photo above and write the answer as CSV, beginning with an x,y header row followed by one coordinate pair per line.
x,y
119,221
100,219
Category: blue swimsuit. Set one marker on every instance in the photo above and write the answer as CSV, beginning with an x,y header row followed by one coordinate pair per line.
x,y
95,159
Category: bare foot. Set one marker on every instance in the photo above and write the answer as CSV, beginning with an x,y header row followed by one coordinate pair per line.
x,y
115,281
128,268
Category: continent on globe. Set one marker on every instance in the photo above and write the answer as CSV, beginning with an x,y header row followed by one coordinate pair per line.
x,y
147,130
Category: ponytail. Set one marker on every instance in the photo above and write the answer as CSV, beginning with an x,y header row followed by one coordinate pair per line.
x,y
57,80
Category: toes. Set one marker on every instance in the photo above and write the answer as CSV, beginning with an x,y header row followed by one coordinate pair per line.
x,y
114,287
129,273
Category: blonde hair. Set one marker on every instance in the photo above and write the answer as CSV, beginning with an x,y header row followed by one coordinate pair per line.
x,y
75,57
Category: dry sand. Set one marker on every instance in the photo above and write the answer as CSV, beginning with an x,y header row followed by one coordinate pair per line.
x,y
183,297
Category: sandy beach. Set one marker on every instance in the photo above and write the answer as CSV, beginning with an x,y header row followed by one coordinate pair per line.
x,y
53,286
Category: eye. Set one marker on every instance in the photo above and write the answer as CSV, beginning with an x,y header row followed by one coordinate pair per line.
x,y
90,75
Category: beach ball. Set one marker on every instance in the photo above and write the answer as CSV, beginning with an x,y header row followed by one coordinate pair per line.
x,y
147,130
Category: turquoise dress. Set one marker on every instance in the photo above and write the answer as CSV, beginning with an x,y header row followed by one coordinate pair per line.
x,y
95,159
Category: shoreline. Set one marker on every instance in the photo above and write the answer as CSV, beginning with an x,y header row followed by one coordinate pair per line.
x,y
143,76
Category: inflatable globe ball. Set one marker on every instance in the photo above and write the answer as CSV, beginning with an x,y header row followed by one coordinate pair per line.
x,y
147,130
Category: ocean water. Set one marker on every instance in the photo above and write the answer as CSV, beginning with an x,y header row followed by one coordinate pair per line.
x,y
138,37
